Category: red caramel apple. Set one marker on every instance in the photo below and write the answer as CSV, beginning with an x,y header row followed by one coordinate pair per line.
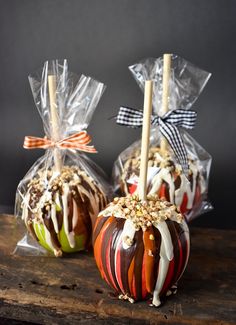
x,y
59,210
141,248
166,179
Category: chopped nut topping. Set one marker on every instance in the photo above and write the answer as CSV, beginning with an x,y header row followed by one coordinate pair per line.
x,y
128,241
58,252
156,158
142,214
151,237
47,207
150,252
46,184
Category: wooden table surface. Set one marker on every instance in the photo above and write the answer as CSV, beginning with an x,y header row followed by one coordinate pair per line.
x,y
47,290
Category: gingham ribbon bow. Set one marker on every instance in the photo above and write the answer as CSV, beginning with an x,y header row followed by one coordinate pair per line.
x,y
76,141
168,124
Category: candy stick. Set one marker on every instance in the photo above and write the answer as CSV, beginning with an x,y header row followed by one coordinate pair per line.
x,y
142,189
54,119
165,92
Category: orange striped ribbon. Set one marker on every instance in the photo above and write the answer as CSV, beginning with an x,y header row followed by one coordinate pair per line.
x,y
76,141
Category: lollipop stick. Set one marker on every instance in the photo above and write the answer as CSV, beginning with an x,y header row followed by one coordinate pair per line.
x,y
165,92
142,189
54,119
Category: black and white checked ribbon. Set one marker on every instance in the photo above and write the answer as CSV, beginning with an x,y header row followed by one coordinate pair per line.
x,y
168,124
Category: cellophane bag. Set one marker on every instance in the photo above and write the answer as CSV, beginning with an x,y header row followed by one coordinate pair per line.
x,y
165,175
59,204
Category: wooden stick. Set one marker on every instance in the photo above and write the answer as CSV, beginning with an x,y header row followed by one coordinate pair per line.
x,y
54,119
142,188
165,92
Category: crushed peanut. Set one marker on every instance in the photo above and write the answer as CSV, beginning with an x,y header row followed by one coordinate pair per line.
x,y
128,241
142,214
150,252
43,183
156,158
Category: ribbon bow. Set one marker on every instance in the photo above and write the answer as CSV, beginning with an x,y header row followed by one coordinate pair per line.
x,y
76,141
168,127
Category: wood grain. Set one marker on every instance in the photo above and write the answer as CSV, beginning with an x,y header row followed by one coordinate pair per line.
x,y
46,290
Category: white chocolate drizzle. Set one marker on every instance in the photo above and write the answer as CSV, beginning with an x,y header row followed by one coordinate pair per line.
x,y
69,235
75,214
54,218
128,234
166,255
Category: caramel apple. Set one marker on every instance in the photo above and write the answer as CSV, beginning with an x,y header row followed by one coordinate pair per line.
x,y
166,179
141,247
59,210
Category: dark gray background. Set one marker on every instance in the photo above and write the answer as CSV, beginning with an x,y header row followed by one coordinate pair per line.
x,y
101,38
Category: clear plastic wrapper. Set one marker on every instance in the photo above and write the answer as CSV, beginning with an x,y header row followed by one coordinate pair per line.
x,y
165,175
62,193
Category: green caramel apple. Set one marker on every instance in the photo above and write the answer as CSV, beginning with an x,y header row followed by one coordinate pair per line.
x,y
59,210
